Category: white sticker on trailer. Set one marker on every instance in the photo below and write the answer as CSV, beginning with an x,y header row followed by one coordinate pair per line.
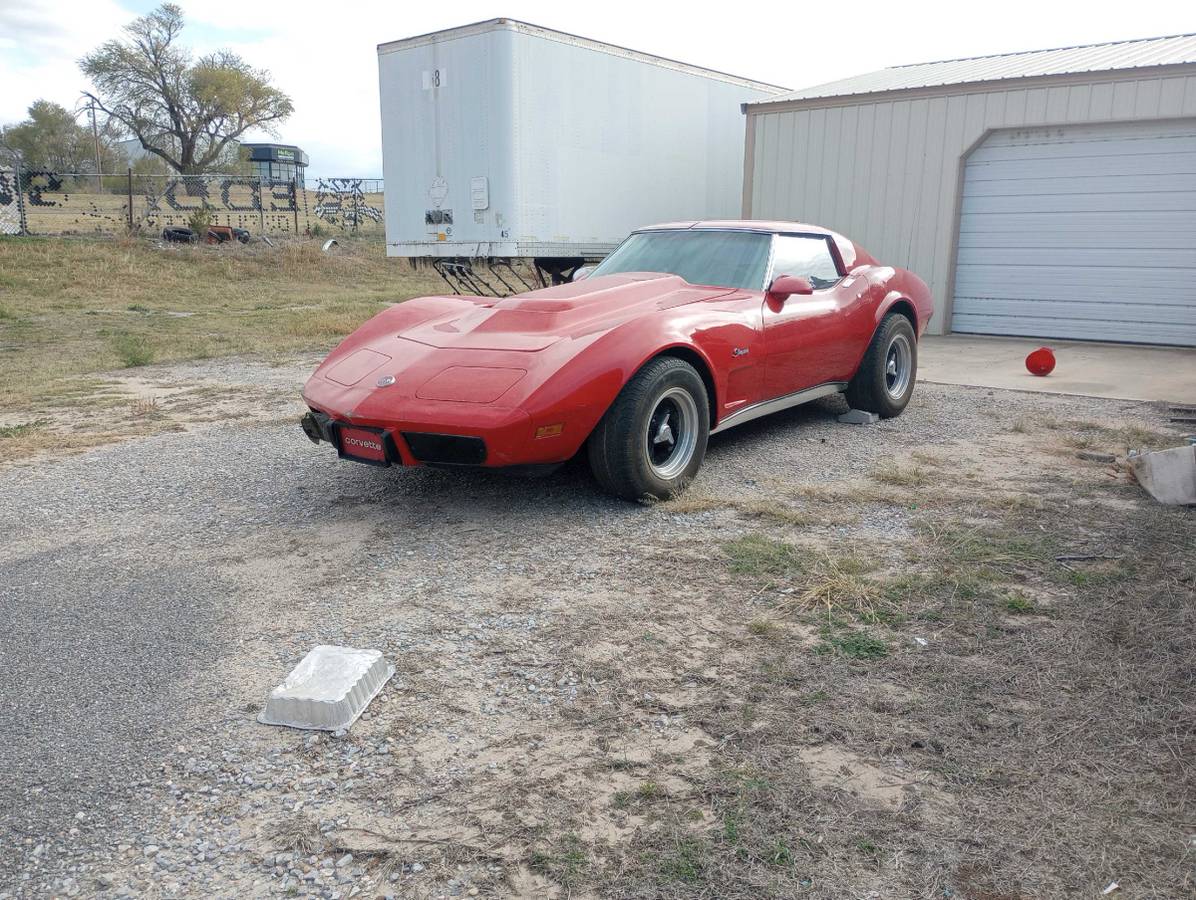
x,y
433,78
479,192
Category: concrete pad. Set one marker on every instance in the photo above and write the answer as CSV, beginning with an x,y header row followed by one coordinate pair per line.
x,y
1117,371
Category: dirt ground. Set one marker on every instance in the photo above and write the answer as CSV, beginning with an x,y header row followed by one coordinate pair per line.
x,y
941,656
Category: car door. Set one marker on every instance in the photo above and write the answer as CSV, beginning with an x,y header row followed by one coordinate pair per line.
x,y
808,337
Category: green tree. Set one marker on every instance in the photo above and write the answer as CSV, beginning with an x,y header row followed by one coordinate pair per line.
x,y
187,112
52,138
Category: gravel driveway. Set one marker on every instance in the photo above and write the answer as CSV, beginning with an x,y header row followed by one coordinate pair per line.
x,y
558,653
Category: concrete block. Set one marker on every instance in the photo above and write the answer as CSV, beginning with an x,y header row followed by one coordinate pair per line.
x,y
328,690
859,417
1168,475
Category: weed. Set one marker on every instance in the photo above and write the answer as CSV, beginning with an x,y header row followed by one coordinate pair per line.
x,y
566,862
754,554
731,827
684,862
881,616
868,848
855,645
1096,576
649,790
1016,603
200,221
22,429
764,628
6,313
779,854
133,349
137,307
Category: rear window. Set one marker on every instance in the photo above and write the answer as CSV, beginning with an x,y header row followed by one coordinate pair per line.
x,y
732,259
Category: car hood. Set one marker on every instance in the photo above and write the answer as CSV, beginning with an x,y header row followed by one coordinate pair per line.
x,y
536,320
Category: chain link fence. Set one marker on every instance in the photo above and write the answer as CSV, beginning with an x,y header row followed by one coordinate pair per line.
x,y
52,203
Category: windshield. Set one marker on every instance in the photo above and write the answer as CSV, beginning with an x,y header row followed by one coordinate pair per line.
x,y
732,259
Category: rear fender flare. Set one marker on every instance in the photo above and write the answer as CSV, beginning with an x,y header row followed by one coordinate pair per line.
x,y
896,299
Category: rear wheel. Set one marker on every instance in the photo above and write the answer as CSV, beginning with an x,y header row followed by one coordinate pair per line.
x,y
885,380
652,440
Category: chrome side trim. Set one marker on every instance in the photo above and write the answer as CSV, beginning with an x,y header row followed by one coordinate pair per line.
x,y
767,407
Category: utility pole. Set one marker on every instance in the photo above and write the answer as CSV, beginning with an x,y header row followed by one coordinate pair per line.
x,y
95,136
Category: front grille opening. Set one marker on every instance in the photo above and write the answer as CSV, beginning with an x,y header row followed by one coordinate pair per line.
x,y
446,449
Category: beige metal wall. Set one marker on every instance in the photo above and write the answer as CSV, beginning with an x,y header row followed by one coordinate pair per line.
x,y
886,169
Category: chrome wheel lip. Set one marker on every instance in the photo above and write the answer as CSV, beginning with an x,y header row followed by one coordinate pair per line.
x,y
682,428
899,365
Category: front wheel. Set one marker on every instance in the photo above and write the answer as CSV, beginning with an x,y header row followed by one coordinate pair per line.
x,y
652,440
885,380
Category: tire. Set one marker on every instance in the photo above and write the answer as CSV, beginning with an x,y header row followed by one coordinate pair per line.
x,y
179,235
885,380
652,440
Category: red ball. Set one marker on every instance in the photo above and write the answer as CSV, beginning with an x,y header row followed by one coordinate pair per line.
x,y
1041,362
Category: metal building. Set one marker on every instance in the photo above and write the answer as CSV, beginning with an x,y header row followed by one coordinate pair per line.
x,y
1050,193
277,162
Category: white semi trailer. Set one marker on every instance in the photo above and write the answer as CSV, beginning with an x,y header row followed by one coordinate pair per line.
x,y
503,140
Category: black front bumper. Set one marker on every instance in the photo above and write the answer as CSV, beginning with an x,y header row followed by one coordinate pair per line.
x,y
317,426
429,448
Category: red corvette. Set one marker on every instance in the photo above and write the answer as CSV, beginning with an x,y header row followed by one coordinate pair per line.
x,y
685,330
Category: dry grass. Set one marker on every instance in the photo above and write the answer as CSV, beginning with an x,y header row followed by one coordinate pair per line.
x,y
901,475
1078,434
777,511
77,307
296,832
25,439
841,584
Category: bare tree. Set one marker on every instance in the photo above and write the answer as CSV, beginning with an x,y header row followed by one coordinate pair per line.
x,y
185,112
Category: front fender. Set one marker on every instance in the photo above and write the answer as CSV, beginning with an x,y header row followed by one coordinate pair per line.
x,y
583,388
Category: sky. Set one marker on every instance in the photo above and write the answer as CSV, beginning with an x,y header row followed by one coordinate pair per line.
x,y
324,55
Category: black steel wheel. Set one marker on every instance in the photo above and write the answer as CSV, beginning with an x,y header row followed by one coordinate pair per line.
x,y
885,380
652,440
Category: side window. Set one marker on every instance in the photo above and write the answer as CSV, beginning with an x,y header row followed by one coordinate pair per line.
x,y
809,257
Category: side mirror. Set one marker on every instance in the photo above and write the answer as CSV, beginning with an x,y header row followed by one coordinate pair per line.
x,y
582,273
785,285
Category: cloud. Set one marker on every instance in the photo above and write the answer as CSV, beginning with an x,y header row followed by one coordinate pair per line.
x,y
324,55
39,47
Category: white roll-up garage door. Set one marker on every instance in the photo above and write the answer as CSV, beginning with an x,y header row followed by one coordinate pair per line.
x,y
1084,232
